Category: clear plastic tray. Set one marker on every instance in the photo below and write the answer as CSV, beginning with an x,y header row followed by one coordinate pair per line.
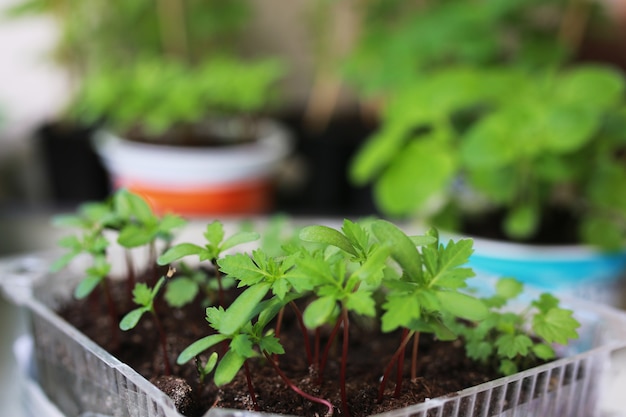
x,y
80,378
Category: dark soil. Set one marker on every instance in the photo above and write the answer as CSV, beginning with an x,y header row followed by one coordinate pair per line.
x,y
443,368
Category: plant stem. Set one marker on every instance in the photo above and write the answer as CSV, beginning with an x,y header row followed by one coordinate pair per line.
x,y
130,274
392,361
305,333
297,390
400,367
250,387
324,357
220,287
344,361
416,342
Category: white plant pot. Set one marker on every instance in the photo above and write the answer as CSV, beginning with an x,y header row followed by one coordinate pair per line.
x,y
199,181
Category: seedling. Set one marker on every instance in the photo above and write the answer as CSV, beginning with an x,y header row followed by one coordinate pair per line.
x,y
502,338
145,297
216,245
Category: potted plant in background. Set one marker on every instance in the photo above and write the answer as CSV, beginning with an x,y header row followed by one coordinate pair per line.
x,y
156,71
324,286
516,141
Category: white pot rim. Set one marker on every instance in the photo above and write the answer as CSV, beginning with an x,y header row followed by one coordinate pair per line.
x,y
513,250
194,166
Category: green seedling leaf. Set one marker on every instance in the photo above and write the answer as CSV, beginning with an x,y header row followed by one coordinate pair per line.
x,y
238,239
546,302
423,240
362,303
240,265
199,346
556,326
210,364
228,367
133,236
463,305
214,233
142,295
181,291
403,250
130,320
242,309
319,312
510,345
544,351
242,344
178,252
509,288
86,286
328,236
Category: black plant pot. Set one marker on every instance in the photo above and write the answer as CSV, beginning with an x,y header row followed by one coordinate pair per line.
x,y
326,155
73,171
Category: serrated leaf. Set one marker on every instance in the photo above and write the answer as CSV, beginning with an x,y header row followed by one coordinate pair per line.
x,y
214,233
133,236
142,295
399,312
508,367
198,347
271,345
479,350
242,344
361,302
372,270
510,345
556,326
242,267
546,302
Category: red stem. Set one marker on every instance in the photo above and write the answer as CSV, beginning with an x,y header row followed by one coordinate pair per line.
x,y
344,361
416,342
324,359
220,287
400,367
305,333
250,387
297,390
383,382
130,274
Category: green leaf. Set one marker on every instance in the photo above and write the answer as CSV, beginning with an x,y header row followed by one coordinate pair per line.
x,y
271,345
400,311
242,344
62,261
462,305
510,345
133,236
362,302
198,347
372,270
130,320
181,291
508,367
546,302
327,236
556,326
479,350
242,267
318,312
594,86
509,288
86,286
522,221
179,251
403,250
544,351
142,295
242,309
238,239
415,178
214,233
228,367
423,240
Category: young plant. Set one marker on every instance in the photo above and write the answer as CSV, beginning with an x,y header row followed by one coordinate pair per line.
x,y
145,297
216,245
503,339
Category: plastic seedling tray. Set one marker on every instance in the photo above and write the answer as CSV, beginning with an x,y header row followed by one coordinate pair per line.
x,y
81,379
